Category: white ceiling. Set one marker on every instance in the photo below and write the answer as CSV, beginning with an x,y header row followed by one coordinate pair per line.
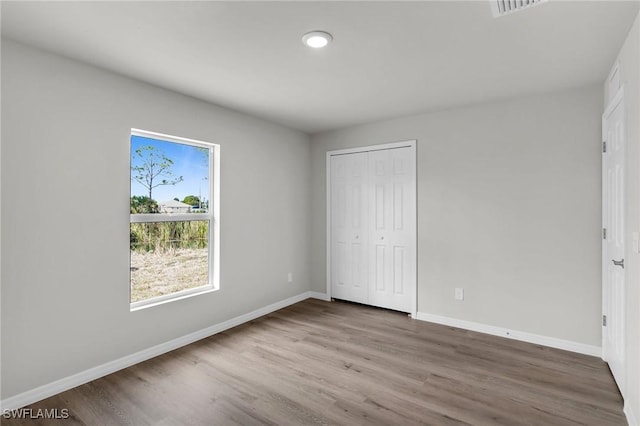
x,y
388,59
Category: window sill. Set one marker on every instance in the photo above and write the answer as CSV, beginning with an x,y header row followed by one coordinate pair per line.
x,y
161,300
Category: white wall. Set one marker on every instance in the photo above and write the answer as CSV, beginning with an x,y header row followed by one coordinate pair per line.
x,y
65,215
629,62
508,209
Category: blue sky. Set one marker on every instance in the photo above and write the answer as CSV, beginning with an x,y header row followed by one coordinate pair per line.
x,y
188,162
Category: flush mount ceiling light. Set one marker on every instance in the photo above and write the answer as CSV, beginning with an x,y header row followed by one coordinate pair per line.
x,y
317,39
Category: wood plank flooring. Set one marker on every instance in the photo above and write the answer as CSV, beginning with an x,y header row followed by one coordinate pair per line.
x,y
339,363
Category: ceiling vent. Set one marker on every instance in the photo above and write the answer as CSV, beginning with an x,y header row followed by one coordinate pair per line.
x,y
506,7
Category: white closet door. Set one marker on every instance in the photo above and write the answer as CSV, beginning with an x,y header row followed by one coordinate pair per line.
x,y
392,254
349,230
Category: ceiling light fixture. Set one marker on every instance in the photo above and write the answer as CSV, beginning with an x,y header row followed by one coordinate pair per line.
x,y
317,39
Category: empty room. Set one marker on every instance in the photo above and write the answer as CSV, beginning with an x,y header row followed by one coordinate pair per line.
x,y
320,212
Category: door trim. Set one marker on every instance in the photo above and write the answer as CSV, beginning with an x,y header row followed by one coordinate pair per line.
x,y
404,144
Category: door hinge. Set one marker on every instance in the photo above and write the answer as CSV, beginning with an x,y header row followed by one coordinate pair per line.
x,y
604,320
604,146
604,233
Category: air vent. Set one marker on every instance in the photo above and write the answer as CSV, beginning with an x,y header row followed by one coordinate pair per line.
x,y
505,7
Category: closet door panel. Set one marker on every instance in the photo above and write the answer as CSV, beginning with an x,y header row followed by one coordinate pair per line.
x,y
349,230
392,207
339,259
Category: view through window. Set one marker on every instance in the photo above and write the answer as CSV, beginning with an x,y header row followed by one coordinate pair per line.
x,y
172,217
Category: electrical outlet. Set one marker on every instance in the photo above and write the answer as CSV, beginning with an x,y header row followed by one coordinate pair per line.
x,y
290,277
459,293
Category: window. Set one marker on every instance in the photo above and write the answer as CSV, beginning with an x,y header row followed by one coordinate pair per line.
x,y
174,218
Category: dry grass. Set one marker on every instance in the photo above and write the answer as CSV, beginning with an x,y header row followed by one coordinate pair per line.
x,y
156,274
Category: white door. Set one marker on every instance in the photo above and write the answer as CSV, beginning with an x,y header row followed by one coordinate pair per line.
x,y
392,207
372,225
613,245
349,227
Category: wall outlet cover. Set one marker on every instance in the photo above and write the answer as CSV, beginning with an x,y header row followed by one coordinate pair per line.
x,y
459,293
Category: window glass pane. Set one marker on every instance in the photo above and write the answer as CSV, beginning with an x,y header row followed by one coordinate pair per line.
x,y
167,257
168,177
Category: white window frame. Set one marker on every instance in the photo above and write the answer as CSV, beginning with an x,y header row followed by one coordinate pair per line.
x,y
212,216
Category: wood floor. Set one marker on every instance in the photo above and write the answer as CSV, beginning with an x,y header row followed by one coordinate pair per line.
x,y
338,363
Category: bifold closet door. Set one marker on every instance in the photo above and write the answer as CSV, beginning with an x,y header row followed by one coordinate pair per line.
x,y
373,228
349,227
392,214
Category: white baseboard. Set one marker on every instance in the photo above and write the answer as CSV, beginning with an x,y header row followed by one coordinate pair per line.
x,y
552,342
631,418
53,388
318,295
